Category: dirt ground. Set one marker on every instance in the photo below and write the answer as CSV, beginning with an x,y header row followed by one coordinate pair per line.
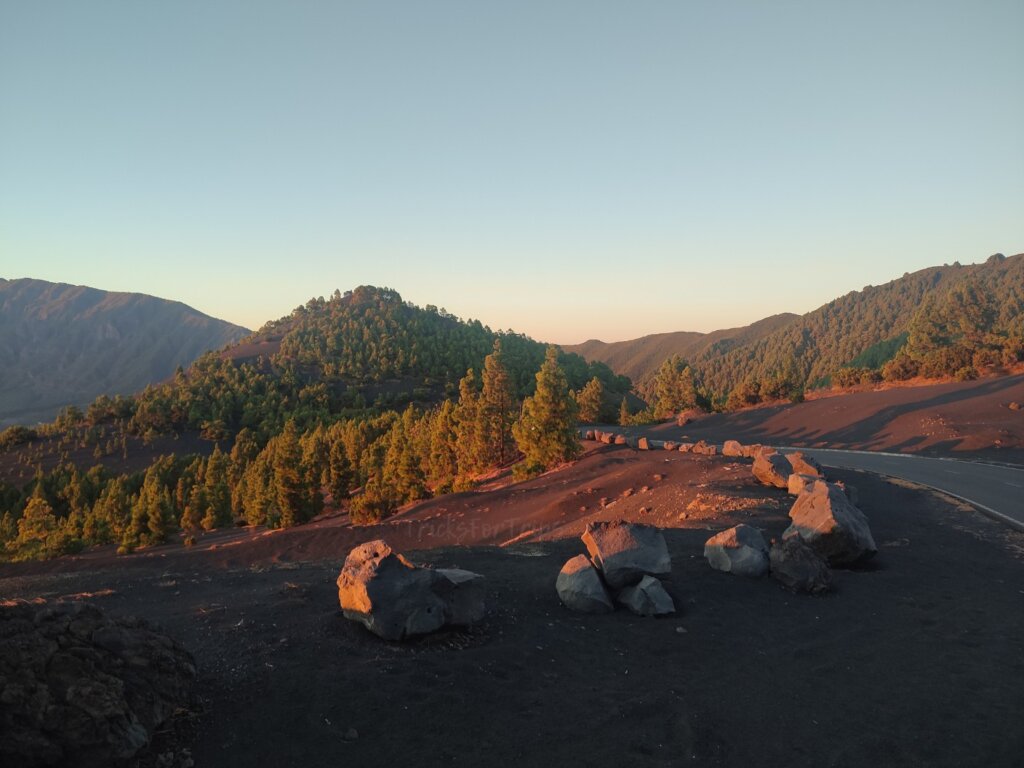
x,y
914,660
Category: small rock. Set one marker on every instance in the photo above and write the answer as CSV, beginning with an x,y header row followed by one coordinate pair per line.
x,y
580,588
648,598
741,550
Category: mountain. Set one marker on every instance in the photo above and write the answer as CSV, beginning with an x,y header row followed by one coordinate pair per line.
x,y
866,327
66,344
639,358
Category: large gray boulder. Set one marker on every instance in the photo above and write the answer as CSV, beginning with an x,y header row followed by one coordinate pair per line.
x,y
80,688
580,588
804,465
798,567
732,448
396,600
464,594
825,518
741,550
772,469
626,552
648,598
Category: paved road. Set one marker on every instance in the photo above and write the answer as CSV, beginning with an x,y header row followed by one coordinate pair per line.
x,y
996,490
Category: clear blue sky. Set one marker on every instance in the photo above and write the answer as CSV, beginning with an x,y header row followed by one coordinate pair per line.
x,y
569,170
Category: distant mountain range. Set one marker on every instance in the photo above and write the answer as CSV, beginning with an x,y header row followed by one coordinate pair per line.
x,y
66,344
638,358
809,348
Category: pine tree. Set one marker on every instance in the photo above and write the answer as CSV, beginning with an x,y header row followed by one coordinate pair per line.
x,y
675,389
218,495
292,497
546,432
467,427
341,475
624,412
443,461
590,400
496,410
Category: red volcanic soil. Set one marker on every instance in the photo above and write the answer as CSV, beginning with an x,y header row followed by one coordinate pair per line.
x,y
914,660
963,419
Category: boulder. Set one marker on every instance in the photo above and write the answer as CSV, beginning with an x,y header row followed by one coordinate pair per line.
x,y
80,688
699,447
464,594
648,598
607,437
588,434
620,440
797,483
396,600
831,525
643,444
798,567
732,448
804,465
668,445
741,550
685,447
626,552
772,469
580,588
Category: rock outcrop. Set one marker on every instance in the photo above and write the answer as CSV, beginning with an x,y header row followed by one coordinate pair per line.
x,y
798,567
626,552
797,483
829,523
772,469
732,448
580,588
804,465
396,600
741,550
647,598
80,688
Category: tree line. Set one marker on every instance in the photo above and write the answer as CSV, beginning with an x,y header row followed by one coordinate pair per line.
x,y
369,465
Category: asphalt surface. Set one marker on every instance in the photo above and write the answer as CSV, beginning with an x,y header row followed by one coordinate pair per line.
x,y
995,489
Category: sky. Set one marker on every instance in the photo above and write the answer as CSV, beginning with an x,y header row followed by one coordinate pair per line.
x,y
569,170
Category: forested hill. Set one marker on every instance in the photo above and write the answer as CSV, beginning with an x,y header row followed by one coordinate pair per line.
x,y
66,344
360,351
870,324
639,358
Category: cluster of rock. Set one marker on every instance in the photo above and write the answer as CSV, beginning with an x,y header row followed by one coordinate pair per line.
x,y
649,444
396,600
826,528
626,560
609,438
79,688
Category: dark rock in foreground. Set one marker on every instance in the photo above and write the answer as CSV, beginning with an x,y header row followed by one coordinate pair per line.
x,y
580,588
648,598
741,550
394,599
78,688
799,568
825,518
626,552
